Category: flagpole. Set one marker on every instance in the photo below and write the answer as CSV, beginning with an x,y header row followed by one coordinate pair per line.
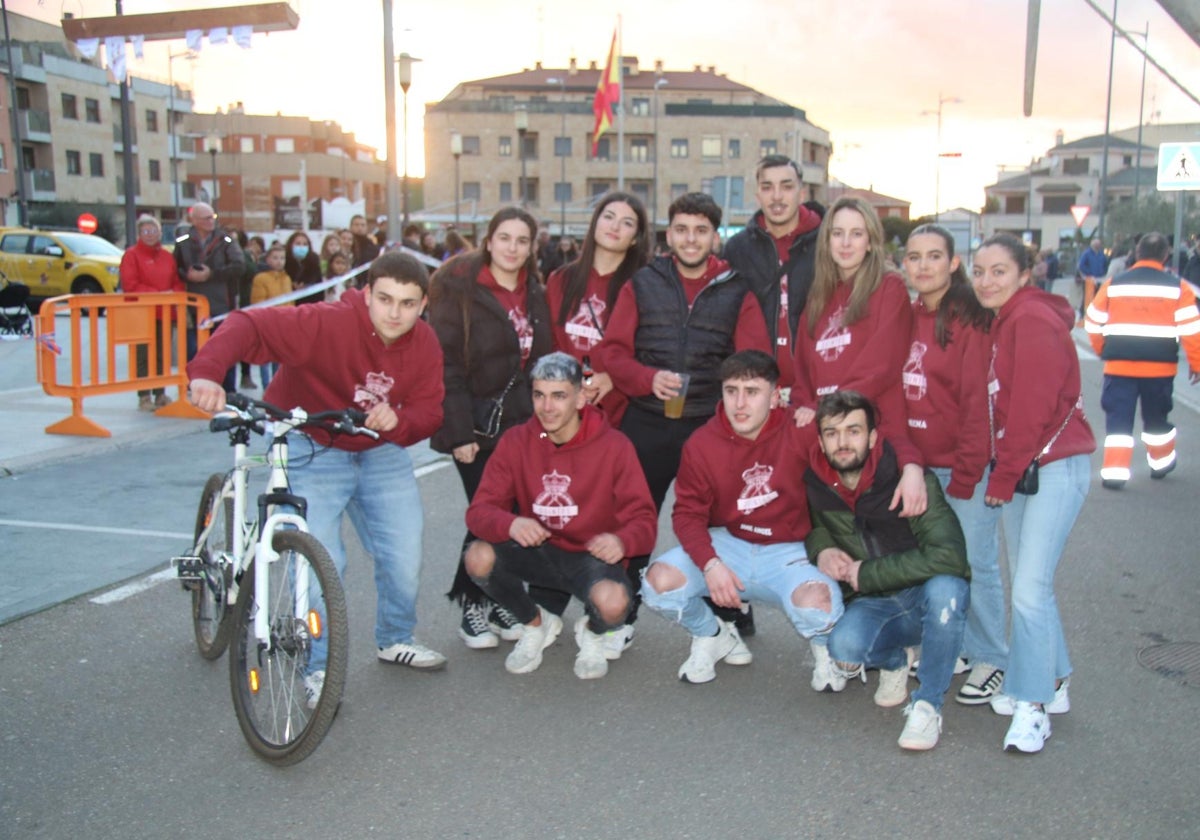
x,y
621,113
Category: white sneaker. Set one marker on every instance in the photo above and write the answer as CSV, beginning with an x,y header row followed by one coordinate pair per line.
x,y
591,663
922,728
474,629
1030,728
526,654
701,665
893,689
414,655
740,655
314,683
825,677
1002,704
617,642
982,684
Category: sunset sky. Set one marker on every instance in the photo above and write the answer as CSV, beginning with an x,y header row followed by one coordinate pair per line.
x,y
864,70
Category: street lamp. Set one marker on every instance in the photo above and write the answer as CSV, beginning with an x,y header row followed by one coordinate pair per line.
x,y
212,145
456,150
659,82
562,160
405,63
937,188
521,117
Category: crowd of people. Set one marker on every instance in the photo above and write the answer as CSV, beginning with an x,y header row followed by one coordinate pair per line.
x,y
840,449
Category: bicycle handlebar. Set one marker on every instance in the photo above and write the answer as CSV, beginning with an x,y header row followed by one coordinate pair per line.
x,y
251,412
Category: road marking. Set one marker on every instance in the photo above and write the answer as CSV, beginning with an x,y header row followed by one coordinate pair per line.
x,y
131,589
95,529
441,463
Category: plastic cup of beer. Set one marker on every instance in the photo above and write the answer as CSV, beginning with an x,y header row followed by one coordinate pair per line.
x,y
673,408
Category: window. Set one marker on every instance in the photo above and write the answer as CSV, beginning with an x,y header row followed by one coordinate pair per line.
x,y
640,107
285,145
562,146
641,189
728,191
531,190
735,149
679,147
639,150
155,170
1014,204
603,149
506,192
599,188
471,145
245,145
74,163
678,190
3,158
1057,203
506,147
70,107
471,190
1075,166
710,147
768,147
96,164
188,189
151,120
530,147
91,109
22,99
562,192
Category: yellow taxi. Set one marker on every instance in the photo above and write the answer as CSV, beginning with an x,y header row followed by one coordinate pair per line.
x,y
55,263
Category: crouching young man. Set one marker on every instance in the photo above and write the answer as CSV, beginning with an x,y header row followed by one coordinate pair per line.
x,y
582,511
741,519
904,579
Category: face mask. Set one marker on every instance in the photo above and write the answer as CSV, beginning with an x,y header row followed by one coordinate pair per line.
x,y
299,251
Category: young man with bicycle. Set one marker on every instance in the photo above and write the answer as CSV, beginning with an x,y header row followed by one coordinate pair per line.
x,y
372,351
563,504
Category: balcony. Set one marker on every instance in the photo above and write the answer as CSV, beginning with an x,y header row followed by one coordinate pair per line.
x,y
39,184
118,141
35,125
181,147
137,187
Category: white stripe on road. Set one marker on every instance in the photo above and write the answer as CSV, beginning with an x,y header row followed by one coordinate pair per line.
x,y
95,529
420,472
131,589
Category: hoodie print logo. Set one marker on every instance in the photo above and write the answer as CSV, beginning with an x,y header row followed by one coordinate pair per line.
x,y
913,372
375,391
520,322
554,504
835,338
757,491
583,333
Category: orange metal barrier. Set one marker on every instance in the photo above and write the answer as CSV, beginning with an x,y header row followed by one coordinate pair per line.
x,y
130,321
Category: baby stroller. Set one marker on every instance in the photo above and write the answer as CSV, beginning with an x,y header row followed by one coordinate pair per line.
x,y
16,321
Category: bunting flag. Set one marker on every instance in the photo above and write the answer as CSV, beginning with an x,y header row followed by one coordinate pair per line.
x,y
608,93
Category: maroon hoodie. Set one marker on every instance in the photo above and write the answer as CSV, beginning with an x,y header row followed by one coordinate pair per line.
x,y
1034,384
752,488
590,485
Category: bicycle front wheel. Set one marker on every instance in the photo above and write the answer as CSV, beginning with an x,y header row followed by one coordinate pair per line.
x,y
212,618
282,707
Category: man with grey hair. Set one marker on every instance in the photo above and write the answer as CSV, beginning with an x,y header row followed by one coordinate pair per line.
x,y
210,263
582,511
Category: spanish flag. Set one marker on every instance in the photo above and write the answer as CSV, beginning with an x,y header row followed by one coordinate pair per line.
x,y
608,93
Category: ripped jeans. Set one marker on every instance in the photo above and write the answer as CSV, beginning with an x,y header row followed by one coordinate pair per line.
x,y
875,630
770,573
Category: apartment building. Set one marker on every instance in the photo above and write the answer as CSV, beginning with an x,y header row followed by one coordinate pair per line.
x,y
527,138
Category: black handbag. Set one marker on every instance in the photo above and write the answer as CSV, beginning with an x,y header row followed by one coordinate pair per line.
x,y
1027,484
488,413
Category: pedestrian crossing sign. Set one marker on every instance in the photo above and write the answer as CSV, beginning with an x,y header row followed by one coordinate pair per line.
x,y
1179,166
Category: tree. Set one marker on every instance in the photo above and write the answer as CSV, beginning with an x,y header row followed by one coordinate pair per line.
x,y
1154,212
65,214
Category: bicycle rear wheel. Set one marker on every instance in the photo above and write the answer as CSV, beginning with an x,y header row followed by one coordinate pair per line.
x,y
212,616
267,679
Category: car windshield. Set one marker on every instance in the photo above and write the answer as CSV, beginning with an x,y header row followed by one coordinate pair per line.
x,y
86,245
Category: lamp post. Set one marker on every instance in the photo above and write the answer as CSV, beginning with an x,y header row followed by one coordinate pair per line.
x,y
456,150
659,82
212,145
521,117
562,159
937,177
405,62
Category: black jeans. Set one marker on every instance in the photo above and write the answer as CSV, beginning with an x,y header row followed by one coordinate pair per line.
x,y
550,567
142,359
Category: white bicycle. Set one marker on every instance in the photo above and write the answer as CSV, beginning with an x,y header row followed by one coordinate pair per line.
x,y
260,580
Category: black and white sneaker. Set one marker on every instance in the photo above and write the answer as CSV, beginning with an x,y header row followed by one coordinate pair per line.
x,y
983,683
504,624
474,630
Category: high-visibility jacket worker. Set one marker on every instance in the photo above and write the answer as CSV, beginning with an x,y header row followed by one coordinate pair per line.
x,y
1136,323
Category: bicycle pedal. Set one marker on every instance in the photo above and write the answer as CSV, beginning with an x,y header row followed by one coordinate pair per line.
x,y
189,569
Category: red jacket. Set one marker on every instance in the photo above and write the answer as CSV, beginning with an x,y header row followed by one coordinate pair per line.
x,y
946,393
591,485
752,488
146,269
866,356
1034,383
331,359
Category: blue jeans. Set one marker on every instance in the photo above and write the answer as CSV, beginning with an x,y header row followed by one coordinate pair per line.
x,y
770,573
1036,529
986,636
267,373
376,487
876,629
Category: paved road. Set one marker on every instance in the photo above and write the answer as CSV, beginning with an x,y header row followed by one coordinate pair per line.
x,y
112,726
